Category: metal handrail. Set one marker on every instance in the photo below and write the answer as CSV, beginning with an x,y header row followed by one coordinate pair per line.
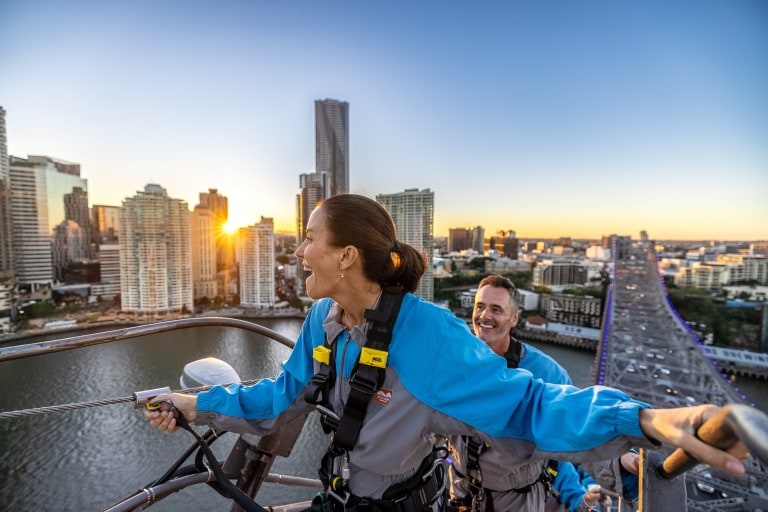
x,y
143,499
86,340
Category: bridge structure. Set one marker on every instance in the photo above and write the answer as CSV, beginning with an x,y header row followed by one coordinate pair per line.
x,y
650,352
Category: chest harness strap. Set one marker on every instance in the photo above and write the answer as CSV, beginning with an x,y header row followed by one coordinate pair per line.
x,y
366,378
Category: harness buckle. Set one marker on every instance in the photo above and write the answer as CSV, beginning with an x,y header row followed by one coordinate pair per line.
x,y
373,357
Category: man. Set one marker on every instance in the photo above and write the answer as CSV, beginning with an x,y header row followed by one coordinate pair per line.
x,y
480,477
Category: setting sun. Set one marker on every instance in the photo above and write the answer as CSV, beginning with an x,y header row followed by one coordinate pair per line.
x,y
230,228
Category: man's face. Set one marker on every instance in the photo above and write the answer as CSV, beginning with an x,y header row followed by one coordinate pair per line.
x,y
493,316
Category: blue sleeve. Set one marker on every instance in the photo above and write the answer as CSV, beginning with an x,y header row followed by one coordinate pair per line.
x,y
568,484
268,398
543,366
447,368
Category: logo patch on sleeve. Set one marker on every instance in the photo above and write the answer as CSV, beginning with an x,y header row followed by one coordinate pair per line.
x,y
382,396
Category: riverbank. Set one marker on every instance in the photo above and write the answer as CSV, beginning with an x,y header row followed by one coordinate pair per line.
x,y
114,321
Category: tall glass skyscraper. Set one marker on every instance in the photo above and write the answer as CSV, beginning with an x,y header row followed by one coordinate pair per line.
x,y
332,143
413,212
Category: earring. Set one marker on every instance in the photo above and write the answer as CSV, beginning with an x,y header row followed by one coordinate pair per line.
x,y
341,274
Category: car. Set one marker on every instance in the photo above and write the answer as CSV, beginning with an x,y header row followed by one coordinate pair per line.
x,y
705,487
671,391
631,368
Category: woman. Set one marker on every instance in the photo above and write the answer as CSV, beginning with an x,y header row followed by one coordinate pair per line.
x,y
438,378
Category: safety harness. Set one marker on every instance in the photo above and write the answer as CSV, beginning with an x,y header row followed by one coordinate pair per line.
x,y
479,497
412,495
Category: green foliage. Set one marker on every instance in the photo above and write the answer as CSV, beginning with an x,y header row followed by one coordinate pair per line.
x,y
735,327
40,310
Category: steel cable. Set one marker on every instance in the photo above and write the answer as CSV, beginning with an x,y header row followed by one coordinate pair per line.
x,y
93,403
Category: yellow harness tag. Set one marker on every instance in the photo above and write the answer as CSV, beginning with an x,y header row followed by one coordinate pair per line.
x,y
322,354
373,357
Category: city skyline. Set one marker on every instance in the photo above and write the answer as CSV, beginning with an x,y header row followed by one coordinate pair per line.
x,y
572,119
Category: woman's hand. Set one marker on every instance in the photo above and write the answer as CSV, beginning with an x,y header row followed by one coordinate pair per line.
x,y
592,496
164,419
677,427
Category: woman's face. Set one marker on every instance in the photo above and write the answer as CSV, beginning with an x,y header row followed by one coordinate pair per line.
x,y
320,258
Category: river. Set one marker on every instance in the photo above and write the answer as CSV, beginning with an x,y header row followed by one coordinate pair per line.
x,y
87,459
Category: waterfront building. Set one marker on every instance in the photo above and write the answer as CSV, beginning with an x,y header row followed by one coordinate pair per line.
x,y
70,246
29,223
6,251
203,228
578,310
413,213
332,143
219,206
566,272
46,193
257,264
109,271
7,281
155,259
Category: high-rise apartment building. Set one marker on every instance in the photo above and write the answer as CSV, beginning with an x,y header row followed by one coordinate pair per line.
x,y
226,265
155,260
29,223
332,143
7,281
413,213
313,188
257,264
203,228
6,251
109,269
219,207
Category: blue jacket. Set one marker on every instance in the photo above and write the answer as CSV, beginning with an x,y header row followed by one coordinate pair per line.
x,y
572,485
439,378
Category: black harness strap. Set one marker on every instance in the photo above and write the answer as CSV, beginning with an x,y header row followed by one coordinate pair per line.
x,y
514,352
368,374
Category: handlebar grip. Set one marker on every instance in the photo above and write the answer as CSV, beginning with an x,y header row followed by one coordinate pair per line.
x,y
730,424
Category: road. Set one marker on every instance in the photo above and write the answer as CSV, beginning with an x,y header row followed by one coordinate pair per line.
x,y
648,351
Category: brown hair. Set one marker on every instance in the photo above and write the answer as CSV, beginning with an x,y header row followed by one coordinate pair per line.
x,y
362,222
500,282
